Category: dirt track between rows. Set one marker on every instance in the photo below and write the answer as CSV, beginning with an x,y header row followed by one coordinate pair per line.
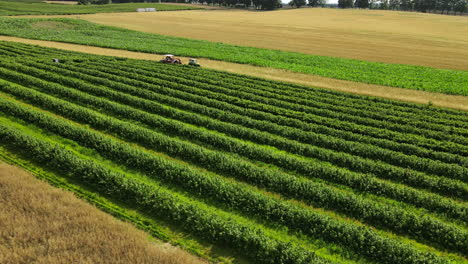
x,y
437,99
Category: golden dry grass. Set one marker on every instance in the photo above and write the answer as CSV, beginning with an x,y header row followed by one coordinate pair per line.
x,y
443,100
386,36
43,224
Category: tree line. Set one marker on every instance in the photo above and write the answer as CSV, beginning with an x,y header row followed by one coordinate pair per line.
x,y
440,6
433,6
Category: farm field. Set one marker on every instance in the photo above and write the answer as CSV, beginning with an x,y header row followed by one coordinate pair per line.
x,y
407,95
272,172
370,35
14,8
393,75
32,212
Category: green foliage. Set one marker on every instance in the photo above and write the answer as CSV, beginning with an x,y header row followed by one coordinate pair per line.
x,y
247,146
315,3
361,3
297,3
364,240
345,3
82,32
94,2
215,161
13,8
340,159
157,201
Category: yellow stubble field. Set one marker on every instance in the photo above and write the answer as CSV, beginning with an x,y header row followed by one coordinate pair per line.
x,y
439,41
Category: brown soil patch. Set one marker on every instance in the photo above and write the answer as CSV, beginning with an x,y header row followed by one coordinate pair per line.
x,y
443,100
43,224
371,35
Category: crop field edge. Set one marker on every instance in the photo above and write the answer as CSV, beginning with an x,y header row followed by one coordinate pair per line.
x,y
117,210
106,138
429,79
407,96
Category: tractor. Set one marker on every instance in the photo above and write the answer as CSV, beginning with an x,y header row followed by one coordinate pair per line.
x,y
193,62
170,59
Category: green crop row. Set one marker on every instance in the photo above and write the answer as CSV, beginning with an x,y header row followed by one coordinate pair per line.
x,y
333,97
415,111
291,107
396,75
14,8
247,240
355,237
366,151
361,182
175,137
380,215
302,98
94,72
270,113
441,128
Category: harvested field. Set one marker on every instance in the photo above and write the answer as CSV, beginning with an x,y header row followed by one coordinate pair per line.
x,y
372,35
415,96
42,224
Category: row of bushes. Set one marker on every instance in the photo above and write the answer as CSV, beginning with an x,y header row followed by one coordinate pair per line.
x,y
361,182
318,194
247,240
358,238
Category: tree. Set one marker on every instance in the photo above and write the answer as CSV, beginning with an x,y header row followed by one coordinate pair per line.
x,y
361,4
314,3
384,5
257,3
345,3
424,5
270,4
443,5
460,6
406,5
394,4
297,3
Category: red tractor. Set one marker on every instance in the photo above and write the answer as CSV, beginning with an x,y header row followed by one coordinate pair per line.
x,y
170,59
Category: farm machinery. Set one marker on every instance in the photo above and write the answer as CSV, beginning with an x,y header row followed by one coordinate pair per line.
x,y
193,62
170,59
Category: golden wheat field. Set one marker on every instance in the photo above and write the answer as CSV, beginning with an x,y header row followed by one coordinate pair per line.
x,y
386,36
42,224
